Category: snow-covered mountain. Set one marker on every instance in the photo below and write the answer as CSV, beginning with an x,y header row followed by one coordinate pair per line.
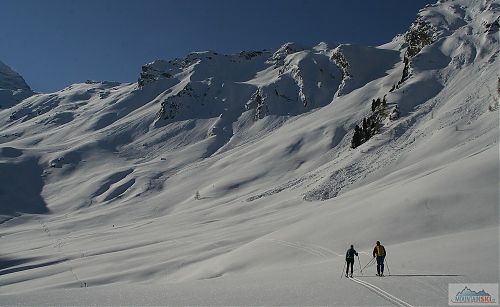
x,y
257,170
13,88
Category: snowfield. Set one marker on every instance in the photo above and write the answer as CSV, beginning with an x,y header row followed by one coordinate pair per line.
x,y
231,180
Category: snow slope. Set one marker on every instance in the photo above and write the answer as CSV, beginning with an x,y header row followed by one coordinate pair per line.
x,y
98,180
13,88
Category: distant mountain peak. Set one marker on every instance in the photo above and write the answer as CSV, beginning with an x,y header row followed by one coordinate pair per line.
x,y
13,87
10,79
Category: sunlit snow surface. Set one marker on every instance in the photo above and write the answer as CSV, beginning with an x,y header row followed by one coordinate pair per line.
x,y
97,194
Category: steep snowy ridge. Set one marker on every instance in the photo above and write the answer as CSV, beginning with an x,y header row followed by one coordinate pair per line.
x,y
13,88
9,79
218,172
359,71
288,82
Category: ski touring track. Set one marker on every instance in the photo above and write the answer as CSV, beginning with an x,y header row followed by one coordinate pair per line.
x,y
391,298
326,253
57,244
308,248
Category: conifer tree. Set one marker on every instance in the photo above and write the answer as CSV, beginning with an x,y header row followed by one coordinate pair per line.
x,y
356,138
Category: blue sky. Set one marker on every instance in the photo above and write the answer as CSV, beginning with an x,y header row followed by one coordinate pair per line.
x,y
54,43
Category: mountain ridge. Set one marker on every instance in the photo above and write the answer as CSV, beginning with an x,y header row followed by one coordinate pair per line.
x,y
13,88
217,166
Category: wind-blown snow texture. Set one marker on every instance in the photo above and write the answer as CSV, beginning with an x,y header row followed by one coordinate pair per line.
x,y
98,180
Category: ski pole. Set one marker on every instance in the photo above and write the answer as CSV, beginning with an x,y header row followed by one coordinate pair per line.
x,y
388,269
343,270
359,262
369,262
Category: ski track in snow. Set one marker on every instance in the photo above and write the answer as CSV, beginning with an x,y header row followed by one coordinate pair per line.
x,y
391,298
57,244
98,180
315,250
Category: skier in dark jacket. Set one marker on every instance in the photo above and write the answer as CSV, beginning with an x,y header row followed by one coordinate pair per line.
x,y
349,258
379,252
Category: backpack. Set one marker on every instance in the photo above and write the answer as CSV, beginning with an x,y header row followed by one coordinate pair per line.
x,y
380,250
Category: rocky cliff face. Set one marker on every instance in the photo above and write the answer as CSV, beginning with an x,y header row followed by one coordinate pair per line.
x,y
288,81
